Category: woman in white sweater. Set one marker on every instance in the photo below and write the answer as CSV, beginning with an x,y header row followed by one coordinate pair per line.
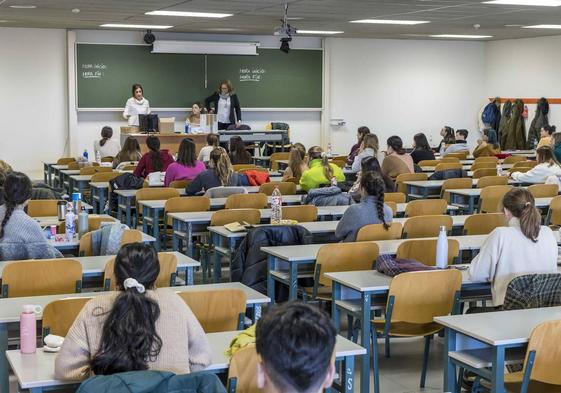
x,y
106,146
136,105
547,166
523,247
368,148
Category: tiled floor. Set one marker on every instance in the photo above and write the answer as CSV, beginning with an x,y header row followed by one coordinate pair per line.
x,y
400,373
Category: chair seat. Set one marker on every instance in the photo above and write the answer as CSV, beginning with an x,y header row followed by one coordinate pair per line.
x,y
513,383
323,293
406,329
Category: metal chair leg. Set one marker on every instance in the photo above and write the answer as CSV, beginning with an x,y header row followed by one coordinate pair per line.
x,y
387,345
425,360
350,327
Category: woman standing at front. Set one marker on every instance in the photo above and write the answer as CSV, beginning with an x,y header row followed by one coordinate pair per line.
x,y
136,105
226,105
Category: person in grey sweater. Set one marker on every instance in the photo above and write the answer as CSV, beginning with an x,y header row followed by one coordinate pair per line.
x,y
370,210
21,236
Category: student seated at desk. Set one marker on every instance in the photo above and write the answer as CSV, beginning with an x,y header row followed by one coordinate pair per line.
x,y
368,148
238,153
370,210
129,154
459,146
547,166
194,119
360,134
297,163
212,143
447,134
321,171
488,145
296,344
545,136
107,146
136,328
219,174
155,160
21,237
556,145
370,164
421,148
186,167
397,160
523,247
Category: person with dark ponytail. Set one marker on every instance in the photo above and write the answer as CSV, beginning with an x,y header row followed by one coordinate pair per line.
x,y
155,160
523,247
107,146
321,171
21,237
136,328
370,210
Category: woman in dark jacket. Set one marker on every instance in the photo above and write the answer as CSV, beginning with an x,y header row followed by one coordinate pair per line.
x,y
238,153
226,105
421,149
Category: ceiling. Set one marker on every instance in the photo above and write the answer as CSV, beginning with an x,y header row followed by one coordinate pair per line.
x,y
262,16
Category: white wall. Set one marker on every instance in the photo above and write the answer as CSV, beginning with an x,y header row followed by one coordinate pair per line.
x,y
401,87
32,96
525,68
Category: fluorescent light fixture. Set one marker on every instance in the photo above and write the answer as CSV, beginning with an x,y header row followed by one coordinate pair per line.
x,y
23,7
189,14
390,22
205,47
125,26
459,36
542,27
534,3
318,32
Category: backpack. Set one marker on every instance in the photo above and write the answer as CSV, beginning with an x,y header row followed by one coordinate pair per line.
x,y
489,113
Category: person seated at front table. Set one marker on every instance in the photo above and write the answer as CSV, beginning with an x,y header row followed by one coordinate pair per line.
x,y
360,134
155,160
397,160
186,167
547,166
421,148
138,327
524,246
219,174
459,146
194,119
21,237
545,136
107,146
297,163
321,171
368,148
488,145
238,152
370,210
129,155
296,347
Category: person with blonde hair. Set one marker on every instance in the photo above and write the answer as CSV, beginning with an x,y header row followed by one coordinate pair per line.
x,y
368,148
220,173
296,162
524,246
321,172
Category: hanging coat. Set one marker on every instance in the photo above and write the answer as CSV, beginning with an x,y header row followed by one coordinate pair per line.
x,y
516,129
540,120
491,115
505,118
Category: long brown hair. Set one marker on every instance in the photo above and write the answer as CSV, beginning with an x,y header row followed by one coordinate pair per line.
x,y
222,165
370,141
106,134
130,150
228,84
186,153
212,140
296,159
520,202
192,116
316,152
545,155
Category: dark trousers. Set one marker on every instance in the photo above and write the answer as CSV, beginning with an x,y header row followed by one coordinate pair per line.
x,y
224,126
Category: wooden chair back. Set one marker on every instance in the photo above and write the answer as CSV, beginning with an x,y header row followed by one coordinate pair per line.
x,y
85,248
524,164
131,167
544,190
491,197
483,165
454,184
460,155
344,257
426,226
397,197
424,250
247,201
482,172
88,170
393,206
166,278
450,159
514,159
238,167
484,223
73,166
186,204
227,216
104,176
426,207
494,180
131,236
522,169
59,315
401,187
153,194
446,166
548,357
94,223
181,184
103,169
423,163
65,160
278,156
42,207
41,277
286,188
219,310
339,163
301,213
492,159
242,374
554,213
374,232
107,159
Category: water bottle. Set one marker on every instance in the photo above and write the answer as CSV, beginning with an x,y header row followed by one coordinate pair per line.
x,y
442,249
329,150
28,328
83,222
333,181
500,170
186,128
98,157
70,222
85,155
276,206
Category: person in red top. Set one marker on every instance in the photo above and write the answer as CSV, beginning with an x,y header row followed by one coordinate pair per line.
x,y
155,160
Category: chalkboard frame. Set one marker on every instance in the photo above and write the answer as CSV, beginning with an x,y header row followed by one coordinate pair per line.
x,y
187,109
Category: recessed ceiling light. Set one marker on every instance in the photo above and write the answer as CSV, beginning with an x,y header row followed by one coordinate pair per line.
x,y
24,7
125,26
535,3
542,27
514,25
318,32
189,14
294,18
459,36
4,21
390,22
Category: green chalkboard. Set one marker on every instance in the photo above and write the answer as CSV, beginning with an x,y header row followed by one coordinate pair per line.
x,y
273,79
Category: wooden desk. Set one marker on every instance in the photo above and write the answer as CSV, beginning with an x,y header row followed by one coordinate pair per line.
x,y
167,141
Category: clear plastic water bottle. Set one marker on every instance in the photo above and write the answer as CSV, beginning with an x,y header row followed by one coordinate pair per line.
x,y
276,206
98,157
70,222
329,150
83,222
442,249
333,181
85,155
77,202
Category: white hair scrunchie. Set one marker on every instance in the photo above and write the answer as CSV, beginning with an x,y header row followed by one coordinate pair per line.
x,y
132,283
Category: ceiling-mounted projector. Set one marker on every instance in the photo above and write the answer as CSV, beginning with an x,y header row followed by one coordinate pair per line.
x,y
285,31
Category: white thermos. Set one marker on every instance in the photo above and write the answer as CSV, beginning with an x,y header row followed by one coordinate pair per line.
x,y
442,249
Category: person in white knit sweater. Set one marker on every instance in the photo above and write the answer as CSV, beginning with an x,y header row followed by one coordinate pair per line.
x,y
136,105
547,167
523,247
